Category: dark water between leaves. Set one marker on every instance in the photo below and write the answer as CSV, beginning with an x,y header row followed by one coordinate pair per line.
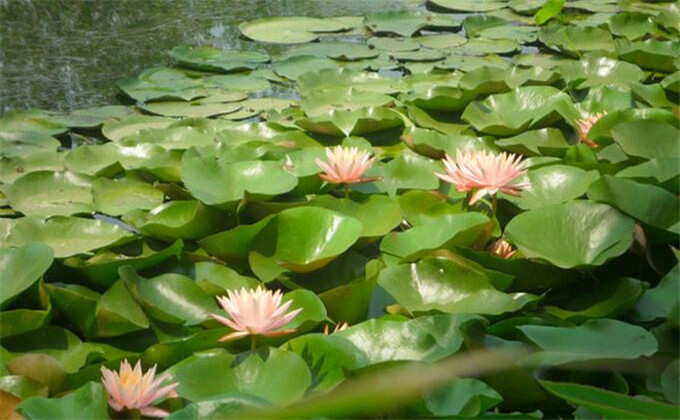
x,y
68,54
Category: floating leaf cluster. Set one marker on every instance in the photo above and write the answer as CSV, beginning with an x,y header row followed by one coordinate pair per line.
x,y
293,191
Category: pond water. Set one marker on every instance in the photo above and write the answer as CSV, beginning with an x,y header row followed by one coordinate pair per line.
x,y
67,54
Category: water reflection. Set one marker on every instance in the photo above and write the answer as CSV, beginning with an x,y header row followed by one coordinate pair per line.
x,y
67,54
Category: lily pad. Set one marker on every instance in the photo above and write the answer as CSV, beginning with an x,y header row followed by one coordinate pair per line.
x,y
648,203
347,123
596,339
46,193
290,29
634,138
546,141
426,338
596,71
470,5
307,238
22,267
378,214
405,23
217,182
294,67
178,219
449,285
67,236
573,234
517,111
650,54
212,59
575,40
553,184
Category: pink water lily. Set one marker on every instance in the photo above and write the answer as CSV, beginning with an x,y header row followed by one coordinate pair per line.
x,y
502,248
484,172
130,389
584,126
255,312
346,165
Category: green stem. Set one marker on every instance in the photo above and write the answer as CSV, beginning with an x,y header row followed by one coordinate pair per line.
x,y
346,191
494,206
253,342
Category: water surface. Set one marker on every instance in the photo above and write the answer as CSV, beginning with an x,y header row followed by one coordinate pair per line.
x,y
67,54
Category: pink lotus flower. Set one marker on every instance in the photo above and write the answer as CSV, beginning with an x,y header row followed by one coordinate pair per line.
x,y
485,172
132,390
584,126
345,165
338,327
255,312
502,248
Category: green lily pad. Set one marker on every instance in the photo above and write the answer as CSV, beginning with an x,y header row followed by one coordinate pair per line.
x,y
521,34
185,219
394,44
327,357
608,300
87,402
339,123
15,167
46,193
212,59
290,29
470,5
596,339
574,40
407,171
634,136
573,234
426,338
275,375
517,111
650,204
119,196
207,177
235,244
481,46
660,301
67,236
294,67
553,184
20,143
445,232
597,71
110,158
21,268
610,404
337,50
650,54
101,269
440,42
659,169
378,214
449,285
544,142
171,298
307,238
118,129
465,397
405,23
199,108
467,62
633,26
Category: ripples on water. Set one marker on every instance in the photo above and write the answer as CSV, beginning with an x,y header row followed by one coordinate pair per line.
x,y
67,54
